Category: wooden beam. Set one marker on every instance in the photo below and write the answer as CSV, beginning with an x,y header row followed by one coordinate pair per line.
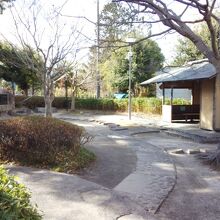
x,y
163,100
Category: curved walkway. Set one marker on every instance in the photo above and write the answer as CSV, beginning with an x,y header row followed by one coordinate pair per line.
x,y
130,182
133,177
153,175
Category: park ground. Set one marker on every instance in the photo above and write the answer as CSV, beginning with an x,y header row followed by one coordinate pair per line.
x,y
140,173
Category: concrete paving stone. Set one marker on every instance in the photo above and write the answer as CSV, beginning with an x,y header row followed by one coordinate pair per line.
x,y
177,151
132,217
142,186
96,196
203,150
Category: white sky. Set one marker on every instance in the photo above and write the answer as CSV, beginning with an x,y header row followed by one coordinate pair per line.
x,y
85,8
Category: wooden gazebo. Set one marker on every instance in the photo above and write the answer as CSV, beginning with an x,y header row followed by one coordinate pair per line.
x,y
197,76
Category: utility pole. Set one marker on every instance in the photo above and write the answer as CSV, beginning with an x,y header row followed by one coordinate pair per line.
x,y
98,53
130,54
129,83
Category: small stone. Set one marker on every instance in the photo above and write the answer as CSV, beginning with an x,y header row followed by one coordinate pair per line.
x,y
193,151
203,151
177,151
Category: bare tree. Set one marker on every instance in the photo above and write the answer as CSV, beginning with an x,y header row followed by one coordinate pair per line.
x,y
167,16
76,76
51,38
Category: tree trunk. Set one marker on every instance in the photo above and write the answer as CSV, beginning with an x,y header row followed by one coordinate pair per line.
x,y
32,90
26,92
48,106
48,98
73,100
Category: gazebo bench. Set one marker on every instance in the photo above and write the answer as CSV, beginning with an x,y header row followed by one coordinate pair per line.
x,y
185,112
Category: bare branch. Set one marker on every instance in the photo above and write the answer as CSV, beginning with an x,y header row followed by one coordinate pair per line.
x,y
78,17
175,22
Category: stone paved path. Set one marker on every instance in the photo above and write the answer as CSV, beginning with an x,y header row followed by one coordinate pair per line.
x,y
153,175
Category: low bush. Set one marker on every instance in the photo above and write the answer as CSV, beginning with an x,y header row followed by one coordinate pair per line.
x,y
145,105
32,102
40,141
79,161
38,101
178,101
15,200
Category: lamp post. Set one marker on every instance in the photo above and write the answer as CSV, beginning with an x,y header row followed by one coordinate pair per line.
x,y
130,42
98,87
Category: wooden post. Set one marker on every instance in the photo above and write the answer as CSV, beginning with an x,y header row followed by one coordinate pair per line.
x,y
171,101
163,100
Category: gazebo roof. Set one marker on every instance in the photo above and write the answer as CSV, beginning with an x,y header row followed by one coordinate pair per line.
x,y
192,71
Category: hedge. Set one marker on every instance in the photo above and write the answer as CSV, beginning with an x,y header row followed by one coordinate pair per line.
x,y
144,105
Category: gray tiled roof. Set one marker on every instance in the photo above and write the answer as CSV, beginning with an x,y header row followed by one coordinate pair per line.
x,y
193,71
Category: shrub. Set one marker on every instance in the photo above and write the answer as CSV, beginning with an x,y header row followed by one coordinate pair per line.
x,y
36,140
19,100
120,105
38,101
178,101
145,105
211,158
15,200
79,161
32,102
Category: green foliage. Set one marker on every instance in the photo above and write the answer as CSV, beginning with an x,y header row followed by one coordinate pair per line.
x,y
145,105
80,161
39,141
147,59
14,67
115,18
117,24
187,51
178,101
32,103
95,104
15,200
2,4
